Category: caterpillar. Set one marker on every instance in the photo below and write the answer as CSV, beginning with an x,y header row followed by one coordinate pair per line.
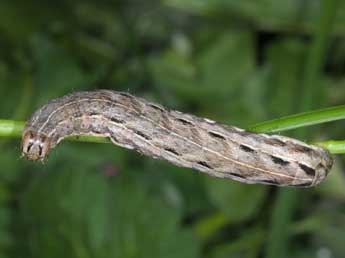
x,y
182,139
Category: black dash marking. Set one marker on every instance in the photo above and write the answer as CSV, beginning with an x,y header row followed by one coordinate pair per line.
x,y
29,147
40,149
275,142
236,175
204,164
301,148
172,151
279,161
216,135
156,107
142,135
271,182
304,184
246,148
308,170
183,121
125,95
116,120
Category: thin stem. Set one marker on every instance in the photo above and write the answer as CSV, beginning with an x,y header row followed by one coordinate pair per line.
x,y
11,128
335,147
301,120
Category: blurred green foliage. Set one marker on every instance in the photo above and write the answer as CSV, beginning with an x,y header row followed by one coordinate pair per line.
x,y
238,62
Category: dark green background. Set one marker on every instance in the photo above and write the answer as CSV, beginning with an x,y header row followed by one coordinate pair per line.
x,y
237,62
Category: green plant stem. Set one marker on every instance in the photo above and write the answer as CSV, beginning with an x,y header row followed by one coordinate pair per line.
x,y
335,147
11,128
301,120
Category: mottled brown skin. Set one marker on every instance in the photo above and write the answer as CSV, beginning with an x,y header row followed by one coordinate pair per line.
x,y
182,139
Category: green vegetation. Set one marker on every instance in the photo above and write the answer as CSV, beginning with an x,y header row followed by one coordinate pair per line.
x,y
237,62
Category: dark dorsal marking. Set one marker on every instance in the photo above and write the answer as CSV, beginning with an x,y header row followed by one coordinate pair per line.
x,y
184,121
217,135
115,120
172,151
275,142
301,148
246,148
204,164
142,135
126,95
156,107
308,170
279,161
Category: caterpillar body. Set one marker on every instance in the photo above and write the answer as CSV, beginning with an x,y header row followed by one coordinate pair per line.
x,y
182,139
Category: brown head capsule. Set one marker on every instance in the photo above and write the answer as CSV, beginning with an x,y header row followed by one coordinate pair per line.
x,y
35,146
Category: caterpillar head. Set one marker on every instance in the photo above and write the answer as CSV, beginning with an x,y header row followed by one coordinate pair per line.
x,y
35,146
